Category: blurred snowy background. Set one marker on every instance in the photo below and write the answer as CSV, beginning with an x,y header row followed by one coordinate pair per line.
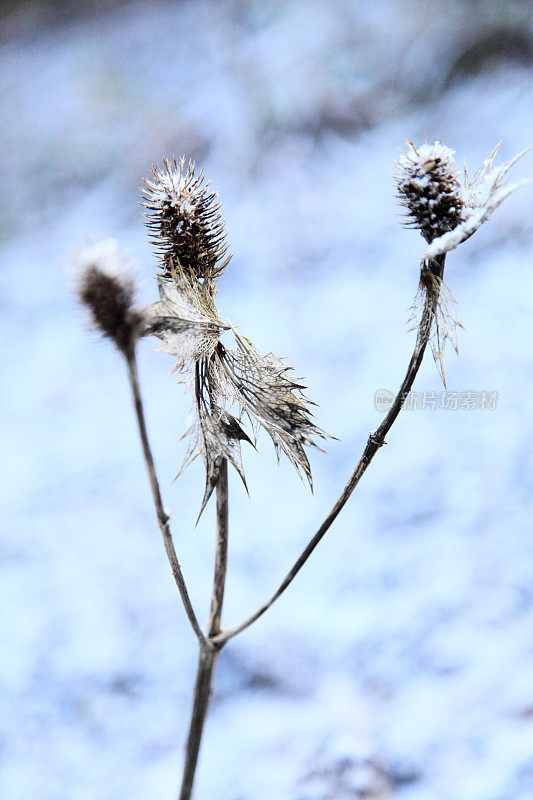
x,y
399,665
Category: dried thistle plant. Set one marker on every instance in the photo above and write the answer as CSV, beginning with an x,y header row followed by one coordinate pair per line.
x,y
447,211
187,231
230,385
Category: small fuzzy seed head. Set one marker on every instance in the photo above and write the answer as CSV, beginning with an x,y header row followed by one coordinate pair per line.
x,y
109,293
184,222
429,187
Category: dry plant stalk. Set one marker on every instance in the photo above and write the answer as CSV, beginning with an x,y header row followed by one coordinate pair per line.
x,y
230,386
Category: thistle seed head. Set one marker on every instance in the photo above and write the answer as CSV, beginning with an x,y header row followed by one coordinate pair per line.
x,y
185,223
429,187
448,211
109,292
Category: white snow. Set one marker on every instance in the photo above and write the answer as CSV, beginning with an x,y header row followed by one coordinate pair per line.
x,y
426,153
107,254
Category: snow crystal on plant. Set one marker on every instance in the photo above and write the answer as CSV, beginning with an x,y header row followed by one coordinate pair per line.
x,y
481,196
427,153
106,254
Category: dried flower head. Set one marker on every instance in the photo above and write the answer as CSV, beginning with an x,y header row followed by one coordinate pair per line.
x,y
186,228
108,291
428,185
226,385
446,210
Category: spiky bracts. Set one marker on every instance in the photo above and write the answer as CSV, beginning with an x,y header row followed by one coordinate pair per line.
x,y
107,289
265,391
226,385
254,386
186,327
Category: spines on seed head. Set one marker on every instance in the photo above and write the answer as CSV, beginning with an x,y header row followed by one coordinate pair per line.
x,y
429,188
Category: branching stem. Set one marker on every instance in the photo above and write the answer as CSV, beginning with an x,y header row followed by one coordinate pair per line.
x,y
431,277
210,645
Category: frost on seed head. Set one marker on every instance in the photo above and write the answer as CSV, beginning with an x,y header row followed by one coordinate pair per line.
x,y
446,209
482,195
106,287
429,188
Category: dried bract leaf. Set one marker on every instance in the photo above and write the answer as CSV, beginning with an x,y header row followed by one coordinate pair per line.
x,y
260,389
445,322
187,331
263,389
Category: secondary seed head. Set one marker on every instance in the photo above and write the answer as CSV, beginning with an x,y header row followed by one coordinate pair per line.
x,y
109,293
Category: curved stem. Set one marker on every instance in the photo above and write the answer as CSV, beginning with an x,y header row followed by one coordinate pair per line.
x,y
162,516
431,277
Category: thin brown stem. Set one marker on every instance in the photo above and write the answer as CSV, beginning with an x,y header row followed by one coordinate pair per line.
x,y
221,556
202,690
208,651
431,277
162,516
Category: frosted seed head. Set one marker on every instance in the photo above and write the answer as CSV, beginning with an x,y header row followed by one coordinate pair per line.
x,y
108,291
184,222
429,187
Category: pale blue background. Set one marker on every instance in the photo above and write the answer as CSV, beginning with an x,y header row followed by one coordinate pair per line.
x,y
400,661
